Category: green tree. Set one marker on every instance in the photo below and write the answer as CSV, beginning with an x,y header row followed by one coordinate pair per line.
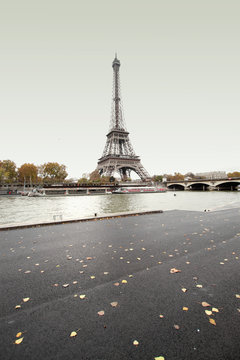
x,y
8,171
157,178
52,172
28,172
83,181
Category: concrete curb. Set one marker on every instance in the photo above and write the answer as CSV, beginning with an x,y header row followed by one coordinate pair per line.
x,y
68,221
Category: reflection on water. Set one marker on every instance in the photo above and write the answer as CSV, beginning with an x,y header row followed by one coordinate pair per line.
x,y
25,209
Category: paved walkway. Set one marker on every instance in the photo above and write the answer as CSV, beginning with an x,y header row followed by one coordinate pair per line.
x,y
115,285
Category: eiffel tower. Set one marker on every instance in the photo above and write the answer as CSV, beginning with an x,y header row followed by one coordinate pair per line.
x,y
118,154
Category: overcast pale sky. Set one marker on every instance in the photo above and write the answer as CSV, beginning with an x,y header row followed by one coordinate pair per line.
x,y
180,81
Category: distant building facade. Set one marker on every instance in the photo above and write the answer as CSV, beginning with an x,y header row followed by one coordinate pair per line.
x,y
212,175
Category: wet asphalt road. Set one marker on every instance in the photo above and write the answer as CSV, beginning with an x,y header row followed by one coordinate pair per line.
x,y
93,258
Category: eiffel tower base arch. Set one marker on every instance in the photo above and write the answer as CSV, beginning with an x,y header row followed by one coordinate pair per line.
x,y
123,167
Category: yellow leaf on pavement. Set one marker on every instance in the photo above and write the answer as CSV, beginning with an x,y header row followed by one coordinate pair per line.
x,y
73,333
114,303
184,290
185,308
82,296
26,299
18,335
208,312
101,313
159,358
124,281
215,309
237,296
212,321
135,342
18,341
204,304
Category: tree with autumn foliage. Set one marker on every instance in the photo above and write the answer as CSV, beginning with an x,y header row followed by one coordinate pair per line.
x,y
28,173
95,176
233,174
52,172
176,176
8,171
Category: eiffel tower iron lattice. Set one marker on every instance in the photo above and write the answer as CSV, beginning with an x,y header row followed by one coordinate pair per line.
x,y
118,154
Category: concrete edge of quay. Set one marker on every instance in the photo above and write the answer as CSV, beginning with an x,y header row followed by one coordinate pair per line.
x,y
68,221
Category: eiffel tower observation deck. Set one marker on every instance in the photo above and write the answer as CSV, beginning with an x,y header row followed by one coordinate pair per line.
x,y
118,154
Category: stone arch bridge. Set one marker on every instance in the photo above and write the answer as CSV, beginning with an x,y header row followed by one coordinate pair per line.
x,y
204,184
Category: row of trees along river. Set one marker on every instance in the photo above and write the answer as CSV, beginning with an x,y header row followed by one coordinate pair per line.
x,y
52,172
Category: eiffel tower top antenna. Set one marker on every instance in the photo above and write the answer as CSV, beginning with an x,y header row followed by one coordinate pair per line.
x,y
117,120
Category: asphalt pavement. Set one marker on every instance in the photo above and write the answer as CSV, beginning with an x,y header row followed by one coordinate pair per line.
x,y
139,287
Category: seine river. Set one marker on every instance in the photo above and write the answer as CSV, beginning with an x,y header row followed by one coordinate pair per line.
x,y
21,209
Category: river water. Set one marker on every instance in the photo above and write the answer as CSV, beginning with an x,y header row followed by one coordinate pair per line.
x,y
21,209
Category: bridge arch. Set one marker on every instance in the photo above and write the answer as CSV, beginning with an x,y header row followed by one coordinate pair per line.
x,y
228,185
176,187
199,186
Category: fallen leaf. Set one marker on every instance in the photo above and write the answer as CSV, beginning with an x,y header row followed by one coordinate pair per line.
x,y
159,358
106,273
204,303
116,284
65,285
177,327
237,296
18,335
199,286
101,313
18,341
114,303
17,306
215,309
135,342
26,299
73,333
161,316
174,270
212,321
27,272
185,308
124,281
208,312
184,290
92,277
74,282
82,296
89,258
